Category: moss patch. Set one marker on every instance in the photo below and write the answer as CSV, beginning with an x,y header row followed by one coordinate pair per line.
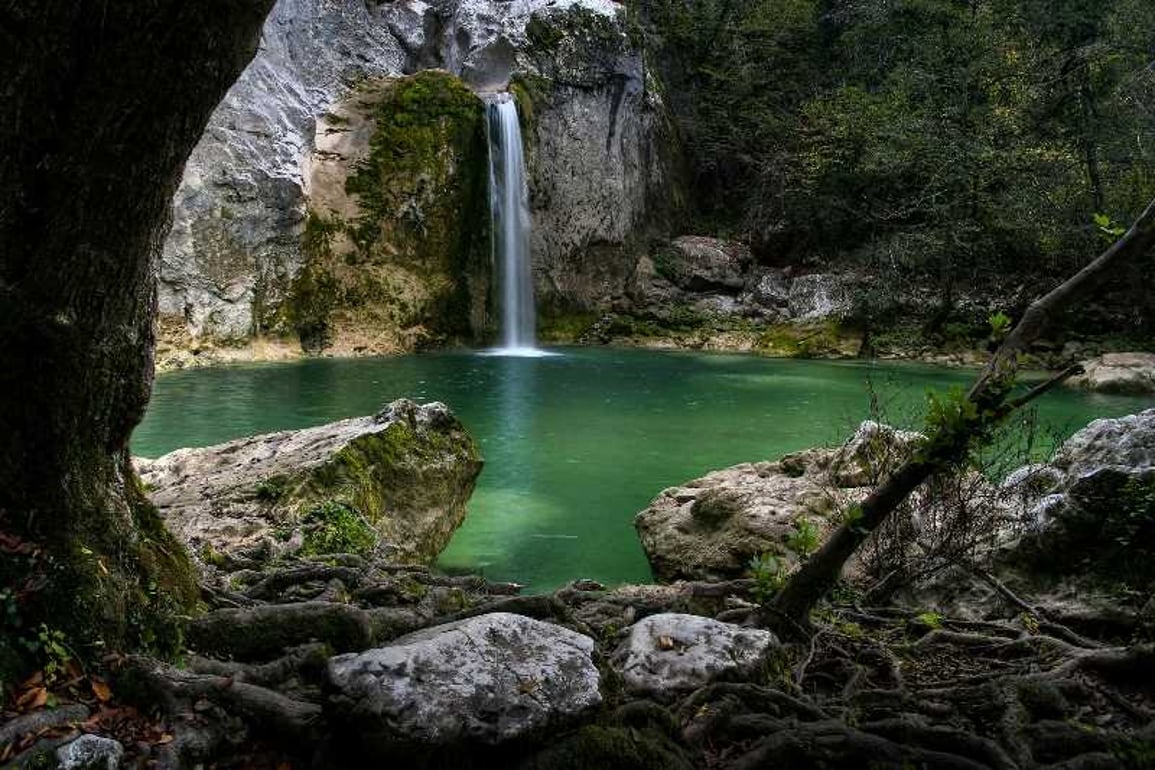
x,y
398,257
333,527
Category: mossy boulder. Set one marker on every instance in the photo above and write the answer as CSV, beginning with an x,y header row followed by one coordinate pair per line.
x,y
396,239
397,481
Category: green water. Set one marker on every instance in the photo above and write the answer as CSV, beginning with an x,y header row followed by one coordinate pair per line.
x,y
574,444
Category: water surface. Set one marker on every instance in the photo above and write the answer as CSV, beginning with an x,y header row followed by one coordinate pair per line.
x,y
575,444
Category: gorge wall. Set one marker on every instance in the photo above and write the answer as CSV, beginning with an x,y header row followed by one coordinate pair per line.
x,y
338,195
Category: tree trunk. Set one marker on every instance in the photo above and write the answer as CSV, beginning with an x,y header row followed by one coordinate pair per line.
x,y
950,443
102,103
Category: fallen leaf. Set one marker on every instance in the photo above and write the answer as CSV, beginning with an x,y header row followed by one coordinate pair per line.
x,y
162,740
101,690
33,681
33,699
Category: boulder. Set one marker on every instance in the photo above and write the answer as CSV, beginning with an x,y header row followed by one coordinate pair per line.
x,y
818,296
1091,509
485,680
1132,373
698,264
399,480
671,654
710,528
769,288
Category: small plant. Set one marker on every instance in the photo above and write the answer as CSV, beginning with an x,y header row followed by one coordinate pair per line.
x,y
333,527
931,620
769,574
804,539
270,490
1109,230
1000,324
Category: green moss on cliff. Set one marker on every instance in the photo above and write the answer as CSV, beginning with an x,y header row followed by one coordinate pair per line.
x,y
411,265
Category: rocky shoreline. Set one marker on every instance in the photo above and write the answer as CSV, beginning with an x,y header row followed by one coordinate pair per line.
x,y
334,659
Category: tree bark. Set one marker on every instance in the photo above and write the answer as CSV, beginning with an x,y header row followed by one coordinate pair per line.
x,y
103,102
791,608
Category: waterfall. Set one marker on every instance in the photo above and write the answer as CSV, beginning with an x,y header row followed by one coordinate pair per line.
x,y
509,214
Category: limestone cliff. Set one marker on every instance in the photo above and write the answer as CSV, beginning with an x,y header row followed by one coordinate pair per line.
x,y
308,208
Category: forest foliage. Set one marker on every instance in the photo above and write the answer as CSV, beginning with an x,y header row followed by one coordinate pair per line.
x,y
941,144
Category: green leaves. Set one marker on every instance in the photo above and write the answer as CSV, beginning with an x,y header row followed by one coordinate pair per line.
x,y
1109,230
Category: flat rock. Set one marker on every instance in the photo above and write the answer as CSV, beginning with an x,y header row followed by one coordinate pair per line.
x,y
1132,373
670,654
408,471
486,680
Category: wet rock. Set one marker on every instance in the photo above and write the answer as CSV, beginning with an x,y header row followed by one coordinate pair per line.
x,y
483,680
402,477
670,654
1132,373
90,752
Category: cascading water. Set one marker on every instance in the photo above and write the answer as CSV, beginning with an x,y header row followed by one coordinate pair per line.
x,y
509,212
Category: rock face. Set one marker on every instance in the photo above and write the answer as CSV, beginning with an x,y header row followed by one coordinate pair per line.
x,y
1132,373
402,476
397,235
670,654
1092,508
710,528
268,238
486,680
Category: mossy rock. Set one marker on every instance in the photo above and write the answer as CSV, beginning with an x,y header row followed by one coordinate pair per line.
x,y
398,480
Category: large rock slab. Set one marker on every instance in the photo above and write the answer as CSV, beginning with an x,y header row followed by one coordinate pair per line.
x,y
486,680
670,654
404,475
1132,373
709,528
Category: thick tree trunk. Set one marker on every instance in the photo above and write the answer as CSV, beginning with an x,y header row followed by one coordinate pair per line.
x,y
102,103
947,446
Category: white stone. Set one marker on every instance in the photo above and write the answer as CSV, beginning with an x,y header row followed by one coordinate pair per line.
x,y
90,752
487,679
670,654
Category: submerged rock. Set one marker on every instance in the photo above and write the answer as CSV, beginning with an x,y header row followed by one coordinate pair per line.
x,y
486,680
399,479
1132,373
670,654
